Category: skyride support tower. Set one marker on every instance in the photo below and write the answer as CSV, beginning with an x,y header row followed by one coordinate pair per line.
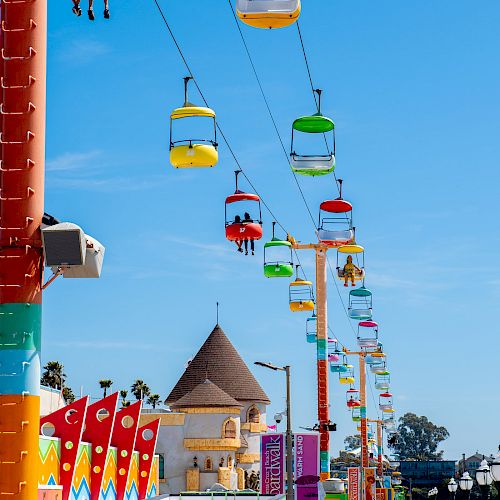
x,y
22,156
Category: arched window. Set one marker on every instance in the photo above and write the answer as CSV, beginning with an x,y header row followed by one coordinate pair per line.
x,y
229,429
208,463
253,415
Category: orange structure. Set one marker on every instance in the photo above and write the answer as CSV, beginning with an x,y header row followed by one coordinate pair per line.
x,y
22,152
322,353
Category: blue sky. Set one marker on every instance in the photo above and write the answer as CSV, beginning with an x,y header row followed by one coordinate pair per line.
x,y
413,90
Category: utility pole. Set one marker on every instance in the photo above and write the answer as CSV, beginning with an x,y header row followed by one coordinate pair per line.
x,y
321,353
289,436
22,155
380,467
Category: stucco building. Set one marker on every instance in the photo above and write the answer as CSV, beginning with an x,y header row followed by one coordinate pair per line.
x,y
218,411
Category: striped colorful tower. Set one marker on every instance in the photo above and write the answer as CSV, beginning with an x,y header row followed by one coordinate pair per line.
x,y
22,152
322,361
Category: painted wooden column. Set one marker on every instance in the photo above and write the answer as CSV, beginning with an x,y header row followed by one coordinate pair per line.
x,y
322,361
22,152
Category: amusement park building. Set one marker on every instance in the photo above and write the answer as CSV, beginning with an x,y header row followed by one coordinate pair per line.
x,y
212,434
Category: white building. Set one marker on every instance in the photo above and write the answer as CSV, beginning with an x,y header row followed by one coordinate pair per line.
x,y
213,433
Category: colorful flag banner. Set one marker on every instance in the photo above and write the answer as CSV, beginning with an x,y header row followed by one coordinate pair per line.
x,y
353,483
370,483
306,466
272,464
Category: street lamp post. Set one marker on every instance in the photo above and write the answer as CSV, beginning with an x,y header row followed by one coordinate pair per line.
x,y
465,483
484,479
495,470
452,487
289,453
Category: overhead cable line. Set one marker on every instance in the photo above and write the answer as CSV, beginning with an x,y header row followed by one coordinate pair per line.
x,y
266,101
191,74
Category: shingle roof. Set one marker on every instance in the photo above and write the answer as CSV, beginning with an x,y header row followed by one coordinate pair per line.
x,y
204,395
220,362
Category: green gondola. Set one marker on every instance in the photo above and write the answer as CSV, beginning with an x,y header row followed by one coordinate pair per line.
x,y
278,258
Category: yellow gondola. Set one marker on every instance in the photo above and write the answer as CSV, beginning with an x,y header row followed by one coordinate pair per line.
x,y
268,13
347,377
301,296
193,153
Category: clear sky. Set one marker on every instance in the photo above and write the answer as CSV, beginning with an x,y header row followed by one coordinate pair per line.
x,y
413,87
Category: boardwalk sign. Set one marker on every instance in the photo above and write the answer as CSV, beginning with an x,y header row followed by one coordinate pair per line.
x,y
272,464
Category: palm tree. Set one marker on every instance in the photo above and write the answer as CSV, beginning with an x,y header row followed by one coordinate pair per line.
x,y
153,400
68,395
53,375
105,384
139,389
123,395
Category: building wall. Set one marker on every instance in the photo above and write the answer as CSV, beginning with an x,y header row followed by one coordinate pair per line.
x,y
50,400
249,459
174,429
427,472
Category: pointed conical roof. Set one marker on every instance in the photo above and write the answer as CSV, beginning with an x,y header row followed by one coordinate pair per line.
x,y
220,362
206,394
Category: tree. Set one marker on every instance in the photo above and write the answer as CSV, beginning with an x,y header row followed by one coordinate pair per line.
x,y
418,438
53,375
153,400
123,395
68,395
139,389
105,384
352,442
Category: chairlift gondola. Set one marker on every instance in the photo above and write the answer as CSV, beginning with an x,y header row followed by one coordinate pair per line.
x,y
360,304
313,164
278,258
239,229
343,254
335,221
367,335
382,380
190,152
385,401
311,329
268,13
352,398
301,295
347,376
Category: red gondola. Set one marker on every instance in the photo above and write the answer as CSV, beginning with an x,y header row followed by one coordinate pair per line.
x,y
242,227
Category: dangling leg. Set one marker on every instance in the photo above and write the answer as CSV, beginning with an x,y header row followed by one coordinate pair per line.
x,y
346,279
252,246
238,244
91,10
246,247
76,8
106,9
353,281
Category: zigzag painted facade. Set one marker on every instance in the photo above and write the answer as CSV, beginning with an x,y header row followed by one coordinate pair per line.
x,y
128,471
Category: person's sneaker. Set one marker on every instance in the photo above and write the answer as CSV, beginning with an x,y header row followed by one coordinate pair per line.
x,y
345,284
106,14
246,253
240,250
353,284
253,253
91,14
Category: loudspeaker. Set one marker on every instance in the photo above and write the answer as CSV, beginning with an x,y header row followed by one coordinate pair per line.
x,y
64,245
